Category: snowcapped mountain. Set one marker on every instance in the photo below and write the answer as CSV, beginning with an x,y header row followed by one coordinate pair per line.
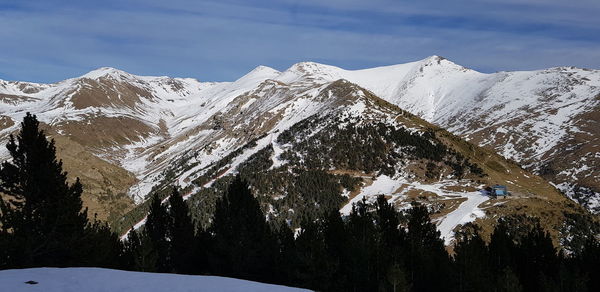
x,y
316,135
546,120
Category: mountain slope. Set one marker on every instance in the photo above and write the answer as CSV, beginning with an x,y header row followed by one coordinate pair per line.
x,y
307,140
547,120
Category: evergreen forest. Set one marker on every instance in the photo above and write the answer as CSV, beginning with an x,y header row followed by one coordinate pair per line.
x,y
375,248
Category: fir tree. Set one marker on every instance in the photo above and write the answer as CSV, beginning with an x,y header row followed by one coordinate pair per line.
x,y
397,278
471,262
310,257
181,235
426,253
507,282
588,261
244,245
336,242
287,253
140,254
536,260
157,229
42,214
362,276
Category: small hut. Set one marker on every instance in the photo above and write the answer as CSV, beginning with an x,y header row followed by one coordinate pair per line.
x,y
495,191
499,190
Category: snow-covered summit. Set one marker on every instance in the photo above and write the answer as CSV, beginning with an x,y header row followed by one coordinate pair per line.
x,y
258,74
106,72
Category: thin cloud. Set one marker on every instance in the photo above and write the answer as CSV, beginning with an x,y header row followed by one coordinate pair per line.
x,y
221,40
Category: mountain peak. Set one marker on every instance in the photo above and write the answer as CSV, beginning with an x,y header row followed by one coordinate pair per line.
x,y
439,60
259,74
105,72
263,70
312,67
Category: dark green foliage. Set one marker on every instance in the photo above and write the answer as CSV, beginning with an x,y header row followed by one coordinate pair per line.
x,y
244,245
138,213
308,193
368,148
42,221
375,248
101,247
577,231
140,254
362,247
586,264
472,271
507,282
182,240
167,243
309,257
158,231
202,204
536,260
426,253
396,276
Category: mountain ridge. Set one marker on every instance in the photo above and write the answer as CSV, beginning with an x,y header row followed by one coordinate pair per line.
x,y
163,130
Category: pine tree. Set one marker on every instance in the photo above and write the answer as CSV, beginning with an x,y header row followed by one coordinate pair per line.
x,y
501,248
102,247
588,261
140,254
397,278
426,252
244,245
471,260
310,257
287,258
363,263
536,260
42,213
157,229
336,241
507,282
182,239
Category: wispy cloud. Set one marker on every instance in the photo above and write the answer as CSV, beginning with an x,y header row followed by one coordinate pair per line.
x,y
221,40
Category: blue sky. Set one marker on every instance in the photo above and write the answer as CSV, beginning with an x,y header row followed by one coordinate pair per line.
x,y
50,40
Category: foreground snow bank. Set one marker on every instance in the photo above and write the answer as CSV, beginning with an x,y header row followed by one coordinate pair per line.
x,y
101,280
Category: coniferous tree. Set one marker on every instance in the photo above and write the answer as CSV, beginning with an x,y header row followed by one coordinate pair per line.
x,y
396,276
157,230
203,246
391,243
42,215
362,276
536,261
507,282
244,245
501,248
310,257
102,247
426,252
140,254
336,243
588,262
287,258
472,271
182,239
